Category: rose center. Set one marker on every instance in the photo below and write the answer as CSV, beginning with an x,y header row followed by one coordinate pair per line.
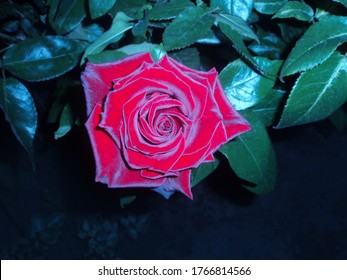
x,y
165,126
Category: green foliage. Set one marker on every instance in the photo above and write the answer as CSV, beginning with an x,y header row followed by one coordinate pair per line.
x,y
281,63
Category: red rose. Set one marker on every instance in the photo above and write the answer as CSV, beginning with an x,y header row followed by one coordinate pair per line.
x,y
151,122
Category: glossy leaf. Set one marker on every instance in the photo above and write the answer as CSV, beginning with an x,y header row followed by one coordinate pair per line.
x,y
245,87
106,56
50,56
120,25
240,8
99,8
188,27
20,112
268,7
252,157
86,33
317,93
188,57
169,10
237,24
132,8
316,45
202,171
343,2
295,9
65,15
65,123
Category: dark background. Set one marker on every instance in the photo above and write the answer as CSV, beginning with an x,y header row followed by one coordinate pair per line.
x,y
58,212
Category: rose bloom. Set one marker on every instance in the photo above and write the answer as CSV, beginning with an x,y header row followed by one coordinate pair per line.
x,y
151,122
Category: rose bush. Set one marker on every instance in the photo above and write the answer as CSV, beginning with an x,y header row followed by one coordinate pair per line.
x,y
151,122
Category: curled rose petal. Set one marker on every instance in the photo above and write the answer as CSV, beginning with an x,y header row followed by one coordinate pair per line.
x,y
151,122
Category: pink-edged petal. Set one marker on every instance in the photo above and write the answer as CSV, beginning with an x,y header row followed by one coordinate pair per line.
x,y
180,183
97,78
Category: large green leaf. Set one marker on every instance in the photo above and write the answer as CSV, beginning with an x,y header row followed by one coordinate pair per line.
x,y
65,15
245,87
295,9
188,27
240,8
202,171
316,45
20,111
317,93
99,8
43,58
268,7
120,24
252,157
237,24
169,10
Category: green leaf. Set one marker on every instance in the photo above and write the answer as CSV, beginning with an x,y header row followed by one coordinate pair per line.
x,y
125,200
237,24
245,87
295,9
252,157
268,7
202,171
343,2
65,15
339,118
238,44
66,122
140,28
317,93
106,56
240,8
86,33
132,8
188,27
20,112
99,8
188,57
268,108
316,45
169,10
43,58
137,48
120,25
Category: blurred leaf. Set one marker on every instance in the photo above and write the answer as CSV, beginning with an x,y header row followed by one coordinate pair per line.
x,y
339,118
99,8
317,93
106,56
20,112
243,86
125,200
237,24
132,8
240,8
202,171
268,7
49,56
66,122
65,15
9,10
268,108
188,57
316,45
295,9
120,25
252,157
343,2
189,26
169,10
290,34
86,33
140,28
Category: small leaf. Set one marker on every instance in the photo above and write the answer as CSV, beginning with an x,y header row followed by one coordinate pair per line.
x,y
316,45
188,57
240,8
237,24
317,93
43,58
120,25
243,86
268,7
188,27
86,33
65,15
252,157
140,28
202,171
20,112
169,10
132,8
106,56
137,48
125,200
66,122
343,2
99,8
295,9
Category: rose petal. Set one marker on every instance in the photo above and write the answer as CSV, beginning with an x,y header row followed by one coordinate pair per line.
x,y
97,78
180,183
